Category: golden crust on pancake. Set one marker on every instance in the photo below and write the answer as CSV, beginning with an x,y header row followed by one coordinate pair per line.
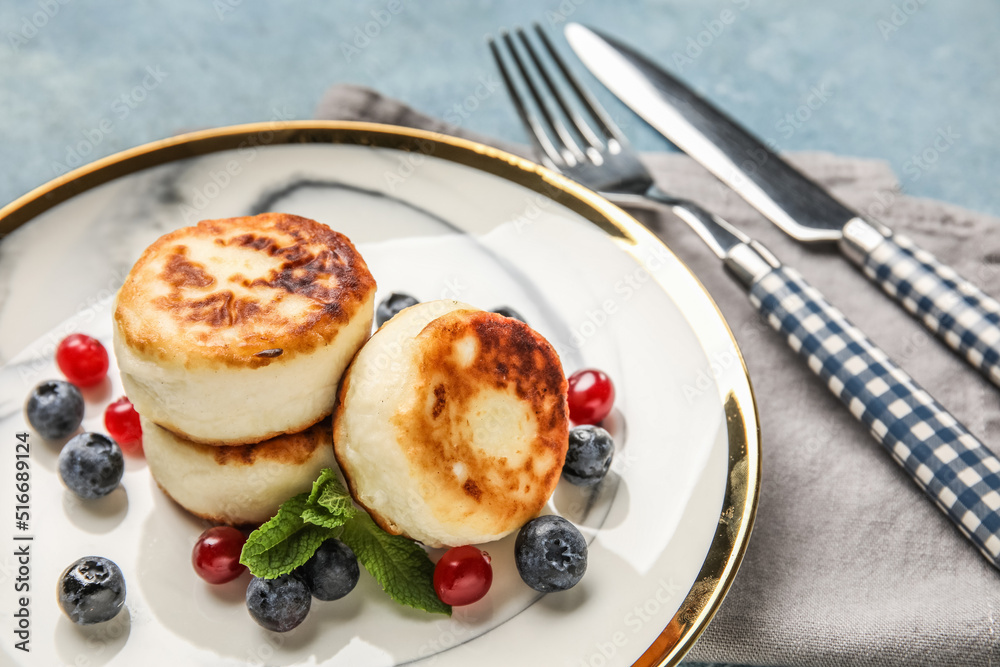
x,y
288,449
511,358
475,440
237,485
242,292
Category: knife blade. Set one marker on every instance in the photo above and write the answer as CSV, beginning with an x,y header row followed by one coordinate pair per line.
x,y
956,471
955,310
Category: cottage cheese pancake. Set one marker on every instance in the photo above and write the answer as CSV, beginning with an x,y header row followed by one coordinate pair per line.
x,y
451,426
242,484
237,330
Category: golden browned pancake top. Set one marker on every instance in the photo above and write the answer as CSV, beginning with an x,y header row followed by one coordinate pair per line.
x,y
242,291
468,356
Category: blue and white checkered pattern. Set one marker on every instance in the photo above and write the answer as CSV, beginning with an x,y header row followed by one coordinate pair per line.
x,y
960,474
953,308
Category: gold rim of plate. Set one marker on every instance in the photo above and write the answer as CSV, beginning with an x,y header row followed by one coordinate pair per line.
x,y
743,475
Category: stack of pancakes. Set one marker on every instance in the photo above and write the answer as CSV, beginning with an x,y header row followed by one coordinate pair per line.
x,y
231,338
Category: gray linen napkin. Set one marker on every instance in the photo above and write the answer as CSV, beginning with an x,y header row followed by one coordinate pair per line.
x,y
848,564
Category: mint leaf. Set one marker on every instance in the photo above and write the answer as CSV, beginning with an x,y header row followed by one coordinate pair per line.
x,y
326,475
399,564
283,543
305,521
329,493
320,516
329,504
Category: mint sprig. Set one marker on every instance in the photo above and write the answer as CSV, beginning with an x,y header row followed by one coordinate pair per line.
x,y
398,564
305,521
329,504
284,542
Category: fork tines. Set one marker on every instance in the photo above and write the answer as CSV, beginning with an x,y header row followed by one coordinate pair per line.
x,y
559,145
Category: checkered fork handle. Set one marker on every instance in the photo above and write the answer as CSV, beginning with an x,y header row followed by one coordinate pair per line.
x,y
957,471
956,311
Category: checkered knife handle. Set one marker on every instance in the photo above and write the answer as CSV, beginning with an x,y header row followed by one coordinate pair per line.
x,y
956,311
956,470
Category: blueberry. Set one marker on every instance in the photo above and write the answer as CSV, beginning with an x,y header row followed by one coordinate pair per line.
x,y
507,311
391,305
278,604
91,465
588,458
550,554
332,572
55,409
91,590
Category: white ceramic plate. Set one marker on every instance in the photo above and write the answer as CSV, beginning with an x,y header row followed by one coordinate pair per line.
x,y
436,217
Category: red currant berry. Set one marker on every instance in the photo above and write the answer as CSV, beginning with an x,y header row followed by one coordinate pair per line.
x,y
591,396
82,359
462,576
122,423
216,554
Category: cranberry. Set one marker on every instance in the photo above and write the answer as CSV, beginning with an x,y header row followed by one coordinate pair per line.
x,y
591,396
82,359
216,554
463,575
122,423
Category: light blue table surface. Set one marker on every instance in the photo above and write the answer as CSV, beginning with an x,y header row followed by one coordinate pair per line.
x,y
912,82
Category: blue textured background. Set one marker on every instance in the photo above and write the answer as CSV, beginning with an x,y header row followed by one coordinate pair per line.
x,y
886,90
912,82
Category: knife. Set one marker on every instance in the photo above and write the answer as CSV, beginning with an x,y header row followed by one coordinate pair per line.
x,y
951,465
954,309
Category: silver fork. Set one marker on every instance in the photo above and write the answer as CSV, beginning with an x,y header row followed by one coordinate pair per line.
x,y
605,161
959,474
